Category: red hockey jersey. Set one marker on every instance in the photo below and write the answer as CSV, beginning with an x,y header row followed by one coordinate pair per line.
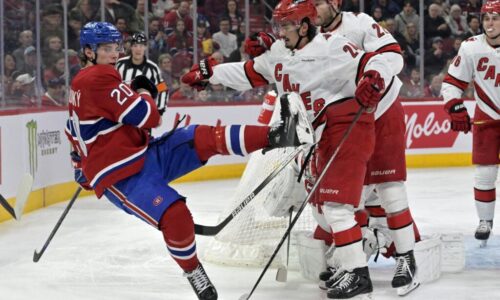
x,y
107,125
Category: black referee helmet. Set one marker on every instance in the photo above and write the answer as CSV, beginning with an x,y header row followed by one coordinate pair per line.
x,y
139,38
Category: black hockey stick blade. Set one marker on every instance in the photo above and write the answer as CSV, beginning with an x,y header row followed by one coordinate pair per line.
x,y
37,255
213,230
7,206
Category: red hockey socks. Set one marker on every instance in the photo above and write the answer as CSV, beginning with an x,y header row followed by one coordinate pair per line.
x,y
325,236
401,226
226,140
177,227
485,203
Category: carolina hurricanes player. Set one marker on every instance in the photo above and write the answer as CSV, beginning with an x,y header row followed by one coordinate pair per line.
x,y
333,77
478,60
386,171
114,155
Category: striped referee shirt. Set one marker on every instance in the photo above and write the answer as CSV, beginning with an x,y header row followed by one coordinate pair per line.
x,y
128,70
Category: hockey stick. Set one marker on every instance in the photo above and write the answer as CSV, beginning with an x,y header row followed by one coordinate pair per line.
x,y
38,255
304,203
7,206
213,230
282,273
486,122
23,191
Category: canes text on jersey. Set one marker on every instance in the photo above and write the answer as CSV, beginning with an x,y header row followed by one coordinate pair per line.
x,y
489,69
315,105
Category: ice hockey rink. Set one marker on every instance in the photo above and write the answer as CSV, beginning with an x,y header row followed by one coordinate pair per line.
x,y
102,253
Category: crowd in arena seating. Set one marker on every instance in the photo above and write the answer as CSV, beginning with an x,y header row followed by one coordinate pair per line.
x,y
220,29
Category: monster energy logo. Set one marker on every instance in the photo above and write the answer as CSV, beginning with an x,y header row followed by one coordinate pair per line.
x,y
32,146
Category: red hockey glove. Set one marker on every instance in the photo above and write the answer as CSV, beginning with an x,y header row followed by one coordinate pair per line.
x,y
199,74
142,82
79,176
459,117
258,43
370,89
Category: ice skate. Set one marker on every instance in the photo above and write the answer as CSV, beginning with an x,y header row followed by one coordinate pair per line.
x,y
293,128
483,232
405,279
202,286
355,283
328,277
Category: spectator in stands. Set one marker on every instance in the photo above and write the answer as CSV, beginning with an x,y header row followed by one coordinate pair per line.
x,y
457,42
54,70
214,9
9,65
114,9
121,25
434,24
75,23
180,39
225,39
457,22
472,8
23,90
161,7
202,96
165,64
53,47
474,27
157,43
435,86
234,16
240,34
389,8
204,39
25,40
185,92
411,86
30,61
88,9
140,10
390,25
218,93
181,13
435,58
54,96
377,16
408,15
201,17
411,50
51,22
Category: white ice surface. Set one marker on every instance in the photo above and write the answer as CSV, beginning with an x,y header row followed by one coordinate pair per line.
x,y
102,253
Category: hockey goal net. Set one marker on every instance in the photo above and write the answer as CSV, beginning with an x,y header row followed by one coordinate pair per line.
x,y
252,236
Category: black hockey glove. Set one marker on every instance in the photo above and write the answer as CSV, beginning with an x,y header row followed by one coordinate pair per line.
x,y
142,82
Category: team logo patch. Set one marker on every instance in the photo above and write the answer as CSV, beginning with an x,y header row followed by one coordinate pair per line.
x,y
158,200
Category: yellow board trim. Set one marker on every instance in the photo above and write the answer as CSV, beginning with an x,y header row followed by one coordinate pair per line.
x,y
64,191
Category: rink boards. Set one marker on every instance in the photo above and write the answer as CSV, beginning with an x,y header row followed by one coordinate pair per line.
x,y
34,141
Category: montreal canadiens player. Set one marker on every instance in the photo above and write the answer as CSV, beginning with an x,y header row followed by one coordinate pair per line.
x,y
333,77
115,156
478,61
386,171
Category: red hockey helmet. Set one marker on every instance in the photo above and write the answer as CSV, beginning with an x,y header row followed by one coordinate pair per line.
x,y
294,11
491,6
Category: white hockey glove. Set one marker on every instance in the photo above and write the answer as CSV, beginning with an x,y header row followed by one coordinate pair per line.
x,y
376,241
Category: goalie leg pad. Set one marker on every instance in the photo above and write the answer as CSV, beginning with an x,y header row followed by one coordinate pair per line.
x,y
484,191
311,252
428,257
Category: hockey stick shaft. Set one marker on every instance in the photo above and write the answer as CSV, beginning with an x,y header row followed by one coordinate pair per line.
x,y
38,255
486,122
7,206
306,200
213,230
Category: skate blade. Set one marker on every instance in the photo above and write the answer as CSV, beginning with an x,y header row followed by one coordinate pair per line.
x,y
405,290
483,243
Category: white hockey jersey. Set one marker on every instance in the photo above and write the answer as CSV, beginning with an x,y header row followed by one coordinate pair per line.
x,y
371,37
478,62
325,70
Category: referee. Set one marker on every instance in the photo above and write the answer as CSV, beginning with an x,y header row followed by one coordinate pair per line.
x,y
137,64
